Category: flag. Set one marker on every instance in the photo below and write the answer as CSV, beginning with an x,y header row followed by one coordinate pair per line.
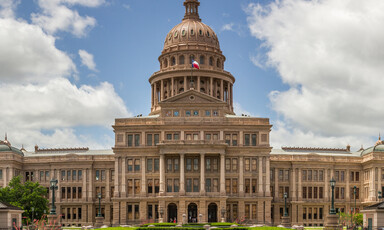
x,y
195,64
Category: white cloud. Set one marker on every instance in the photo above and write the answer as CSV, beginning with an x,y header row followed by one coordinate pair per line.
x,y
126,6
227,27
57,16
329,53
239,110
58,106
29,55
7,8
87,60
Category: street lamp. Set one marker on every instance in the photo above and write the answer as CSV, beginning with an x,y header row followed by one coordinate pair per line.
x,y
99,196
222,214
285,204
53,187
161,214
333,183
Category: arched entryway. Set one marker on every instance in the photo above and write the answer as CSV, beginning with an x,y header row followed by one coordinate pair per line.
x,y
192,213
172,212
212,212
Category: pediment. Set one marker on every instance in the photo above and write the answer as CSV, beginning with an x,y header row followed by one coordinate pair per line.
x,y
192,96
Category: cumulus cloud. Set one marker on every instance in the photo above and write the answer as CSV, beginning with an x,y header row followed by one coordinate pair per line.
x,y
57,15
329,53
58,106
87,60
28,54
7,8
227,27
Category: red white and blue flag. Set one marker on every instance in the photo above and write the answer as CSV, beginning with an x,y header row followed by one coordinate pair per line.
x,y
195,64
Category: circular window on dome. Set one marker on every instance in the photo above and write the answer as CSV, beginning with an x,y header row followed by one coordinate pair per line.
x,y
183,33
175,34
201,32
208,35
192,32
169,36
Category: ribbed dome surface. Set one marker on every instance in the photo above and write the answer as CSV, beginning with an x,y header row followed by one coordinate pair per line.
x,y
191,31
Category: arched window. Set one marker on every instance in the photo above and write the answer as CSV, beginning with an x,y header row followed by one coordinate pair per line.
x,y
173,61
211,61
202,59
181,60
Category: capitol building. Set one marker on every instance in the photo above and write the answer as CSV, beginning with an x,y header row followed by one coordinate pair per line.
x,y
193,159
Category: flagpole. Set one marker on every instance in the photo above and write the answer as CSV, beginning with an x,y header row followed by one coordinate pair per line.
x,y
191,72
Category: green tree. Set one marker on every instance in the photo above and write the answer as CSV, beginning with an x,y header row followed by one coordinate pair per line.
x,y
358,219
25,196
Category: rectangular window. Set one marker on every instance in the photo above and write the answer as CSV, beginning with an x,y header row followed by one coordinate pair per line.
x,y
130,165
234,186
315,175
304,176
320,192
304,213
253,139
189,164
208,164
169,185
149,165
149,139
342,176
176,136
103,175
156,139
68,192
137,187
97,175
254,164
228,186
130,187
247,185
234,164
281,175
234,140
228,139
62,192
150,186
41,175
246,140
304,192
137,165
254,184
176,165
227,164
80,174
215,185
208,185
79,192
309,175
189,185
286,175
196,164
309,192
74,193
130,140
169,165
156,164
247,164
69,175
357,176
169,136
215,164
195,185
208,136
137,139
321,176
176,185
315,193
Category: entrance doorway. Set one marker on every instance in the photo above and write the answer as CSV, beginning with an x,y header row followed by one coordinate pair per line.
x,y
212,212
192,213
172,212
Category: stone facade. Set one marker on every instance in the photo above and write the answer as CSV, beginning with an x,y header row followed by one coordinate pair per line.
x,y
193,159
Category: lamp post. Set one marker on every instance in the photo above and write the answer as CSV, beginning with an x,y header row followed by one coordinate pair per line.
x,y
333,183
161,214
222,215
53,187
285,204
99,214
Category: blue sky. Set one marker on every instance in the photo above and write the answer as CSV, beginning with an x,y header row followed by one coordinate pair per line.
x,y
72,66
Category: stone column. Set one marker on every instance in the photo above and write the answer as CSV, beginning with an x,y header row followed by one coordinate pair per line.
x,y
143,178
198,84
229,94
222,90
162,175
85,184
123,180
347,195
300,187
241,176
185,83
107,192
182,177
326,185
379,181
260,212
260,184
90,183
5,177
222,174
211,86
276,184
202,174
172,86
161,90
152,96
293,184
117,194
267,177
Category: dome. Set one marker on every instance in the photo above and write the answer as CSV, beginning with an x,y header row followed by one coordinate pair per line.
x,y
373,149
6,147
191,30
